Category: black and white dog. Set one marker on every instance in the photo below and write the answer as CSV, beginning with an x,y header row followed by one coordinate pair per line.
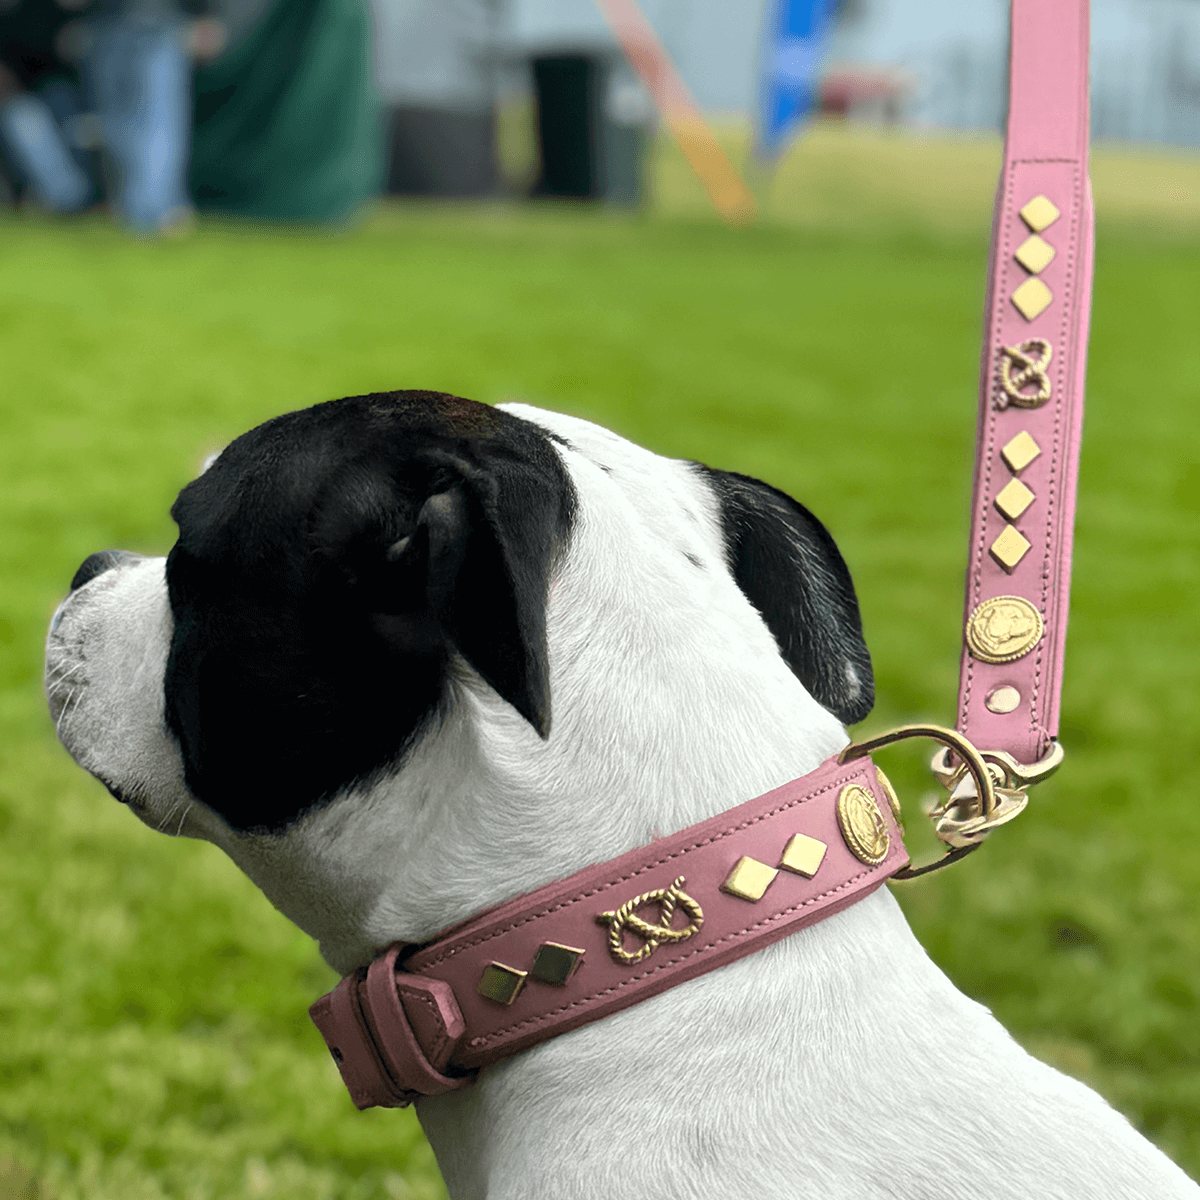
x,y
412,656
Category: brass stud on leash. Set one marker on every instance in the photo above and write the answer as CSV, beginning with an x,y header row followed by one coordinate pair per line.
x,y
1023,365
1003,629
1035,254
1039,214
1032,298
1014,498
1020,451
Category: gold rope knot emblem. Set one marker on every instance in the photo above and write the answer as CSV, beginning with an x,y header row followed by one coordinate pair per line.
x,y
1024,366
653,936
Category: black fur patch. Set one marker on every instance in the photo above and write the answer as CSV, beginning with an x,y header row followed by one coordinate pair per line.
x,y
328,564
789,568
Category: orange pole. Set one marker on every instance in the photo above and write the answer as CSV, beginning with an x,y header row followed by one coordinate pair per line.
x,y
725,188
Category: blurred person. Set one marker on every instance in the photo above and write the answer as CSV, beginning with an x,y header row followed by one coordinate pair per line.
x,y
136,65
41,106
286,120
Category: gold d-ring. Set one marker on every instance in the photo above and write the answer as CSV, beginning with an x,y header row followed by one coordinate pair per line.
x,y
967,817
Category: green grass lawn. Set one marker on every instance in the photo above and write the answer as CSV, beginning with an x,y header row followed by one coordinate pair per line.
x,y
153,1005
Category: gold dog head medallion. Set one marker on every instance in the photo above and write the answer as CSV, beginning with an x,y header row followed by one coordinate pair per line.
x,y
862,825
1002,629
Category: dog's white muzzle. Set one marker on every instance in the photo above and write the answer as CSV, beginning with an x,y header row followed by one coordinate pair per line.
x,y
106,653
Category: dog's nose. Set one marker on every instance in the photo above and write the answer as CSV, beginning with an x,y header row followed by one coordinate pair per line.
x,y
97,564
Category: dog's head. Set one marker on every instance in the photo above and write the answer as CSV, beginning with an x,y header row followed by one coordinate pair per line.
x,y
407,626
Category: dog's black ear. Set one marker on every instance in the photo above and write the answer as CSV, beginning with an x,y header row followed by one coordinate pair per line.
x,y
789,568
488,575
480,554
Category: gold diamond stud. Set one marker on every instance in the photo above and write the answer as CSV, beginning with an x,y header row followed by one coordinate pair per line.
x,y
1009,548
1031,298
749,879
555,963
1034,254
1021,451
803,855
501,983
1039,214
1002,699
1014,499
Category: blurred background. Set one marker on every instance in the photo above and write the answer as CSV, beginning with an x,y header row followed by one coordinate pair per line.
x,y
304,110
215,211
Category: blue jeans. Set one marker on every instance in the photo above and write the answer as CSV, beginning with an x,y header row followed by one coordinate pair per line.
x,y
31,128
139,80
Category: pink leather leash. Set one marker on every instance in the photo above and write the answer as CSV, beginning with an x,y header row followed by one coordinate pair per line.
x,y
1030,422
421,1021
1031,392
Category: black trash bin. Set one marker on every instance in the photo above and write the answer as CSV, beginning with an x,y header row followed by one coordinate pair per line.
x,y
439,152
591,149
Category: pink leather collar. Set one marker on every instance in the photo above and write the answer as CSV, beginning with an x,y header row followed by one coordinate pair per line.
x,y
420,1021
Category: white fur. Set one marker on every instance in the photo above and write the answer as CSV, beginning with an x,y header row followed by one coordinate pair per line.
x,y
839,1063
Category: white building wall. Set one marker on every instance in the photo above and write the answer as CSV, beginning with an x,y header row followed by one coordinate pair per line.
x,y
1145,54
1145,62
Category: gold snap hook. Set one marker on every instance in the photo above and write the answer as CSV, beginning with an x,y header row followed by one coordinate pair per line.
x,y
986,788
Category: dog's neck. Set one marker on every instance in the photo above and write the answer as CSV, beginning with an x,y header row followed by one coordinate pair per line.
x,y
683,1094
810,1068
837,1063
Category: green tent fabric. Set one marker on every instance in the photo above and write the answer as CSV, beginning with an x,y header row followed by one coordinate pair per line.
x,y
287,125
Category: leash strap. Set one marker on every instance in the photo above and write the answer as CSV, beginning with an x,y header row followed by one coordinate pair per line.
x,y
420,1021
1031,392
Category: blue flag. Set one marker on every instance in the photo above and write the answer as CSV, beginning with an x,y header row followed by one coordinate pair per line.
x,y
793,47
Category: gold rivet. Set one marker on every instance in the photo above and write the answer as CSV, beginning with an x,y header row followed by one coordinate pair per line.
x,y
890,793
1009,548
1034,254
862,825
555,963
803,855
1014,499
501,983
749,879
1032,297
1021,451
1039,214
1002,629
1002,699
